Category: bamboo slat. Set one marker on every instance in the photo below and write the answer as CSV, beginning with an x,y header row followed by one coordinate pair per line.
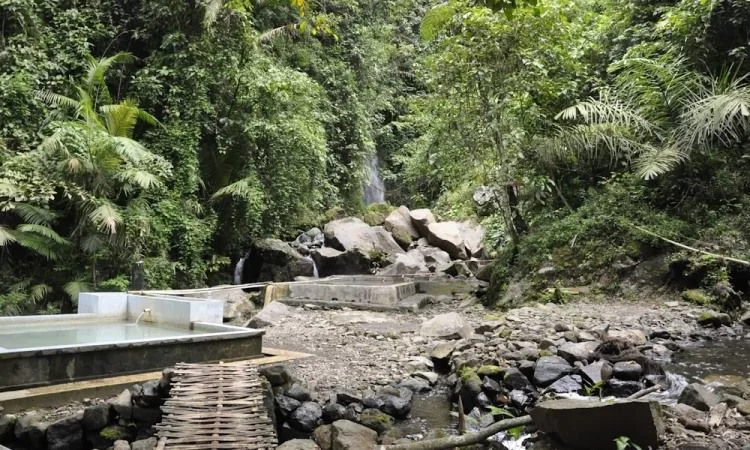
x,y
216,407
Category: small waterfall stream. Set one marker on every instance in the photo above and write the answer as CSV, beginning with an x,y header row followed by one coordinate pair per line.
x,y
316,274
238,271
374,186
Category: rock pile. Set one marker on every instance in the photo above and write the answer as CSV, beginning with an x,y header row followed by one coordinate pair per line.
x,y
124,422
347,420
408,242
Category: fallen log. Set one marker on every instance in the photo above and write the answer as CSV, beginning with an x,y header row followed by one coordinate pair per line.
x,y
462,441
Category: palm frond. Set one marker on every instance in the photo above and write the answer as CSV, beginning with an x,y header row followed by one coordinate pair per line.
x,y
721,114
34,215
56,100
6,236
91,243
273,33
106,218
39,244
120,119
130,149
39,291
246,189
43,231
608,110
656,161
74,288
97,68
140,178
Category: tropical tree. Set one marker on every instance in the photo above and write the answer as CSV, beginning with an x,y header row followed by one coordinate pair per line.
x,y
83,178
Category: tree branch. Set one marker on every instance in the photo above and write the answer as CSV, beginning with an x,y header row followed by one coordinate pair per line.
x,y
462,441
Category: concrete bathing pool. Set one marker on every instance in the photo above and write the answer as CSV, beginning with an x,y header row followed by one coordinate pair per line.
x,y
115,334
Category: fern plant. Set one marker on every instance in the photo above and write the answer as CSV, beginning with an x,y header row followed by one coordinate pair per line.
x,y
655,114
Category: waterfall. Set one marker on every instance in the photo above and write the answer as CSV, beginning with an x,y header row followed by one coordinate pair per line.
x,y
374,187
238,271
315,266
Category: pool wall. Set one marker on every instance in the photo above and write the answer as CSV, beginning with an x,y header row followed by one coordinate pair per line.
x,y
214,341
178,311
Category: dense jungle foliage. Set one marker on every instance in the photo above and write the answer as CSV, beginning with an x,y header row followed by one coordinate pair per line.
x,y
175,132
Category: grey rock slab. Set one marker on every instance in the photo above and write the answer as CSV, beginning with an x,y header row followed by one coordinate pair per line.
x,y
122,405
7,426
121,445
447,236
298,444
399,222
144,444
347,435
421,219
96,417
270,315
447,326
548,369
581,351
350,233
594,425
698,396
566,384
627,370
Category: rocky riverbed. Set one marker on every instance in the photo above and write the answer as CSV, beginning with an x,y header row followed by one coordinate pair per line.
x,y
513,359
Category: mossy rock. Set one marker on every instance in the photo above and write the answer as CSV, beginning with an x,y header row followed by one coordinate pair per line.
x,y
376,420
118,432
696,297
374,219
334,214
403,238
490,370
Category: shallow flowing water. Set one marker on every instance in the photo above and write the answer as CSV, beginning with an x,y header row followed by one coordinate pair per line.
x,y
713,361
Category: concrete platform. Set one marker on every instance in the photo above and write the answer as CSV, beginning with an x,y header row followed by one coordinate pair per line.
x,y
384,291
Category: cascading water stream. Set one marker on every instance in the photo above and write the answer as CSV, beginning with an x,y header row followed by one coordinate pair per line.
x,y
238,271
374,186
316,274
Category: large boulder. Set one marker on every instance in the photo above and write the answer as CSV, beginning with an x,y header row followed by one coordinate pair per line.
x,y
473,237
270,315
594,425
698,396
408,263
421,219
435,258
275,260
350,233
399,224
447,326
334,262
447,236
66,434
347,435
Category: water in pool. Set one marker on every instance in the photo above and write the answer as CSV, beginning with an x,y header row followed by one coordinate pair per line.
x,y
28,337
